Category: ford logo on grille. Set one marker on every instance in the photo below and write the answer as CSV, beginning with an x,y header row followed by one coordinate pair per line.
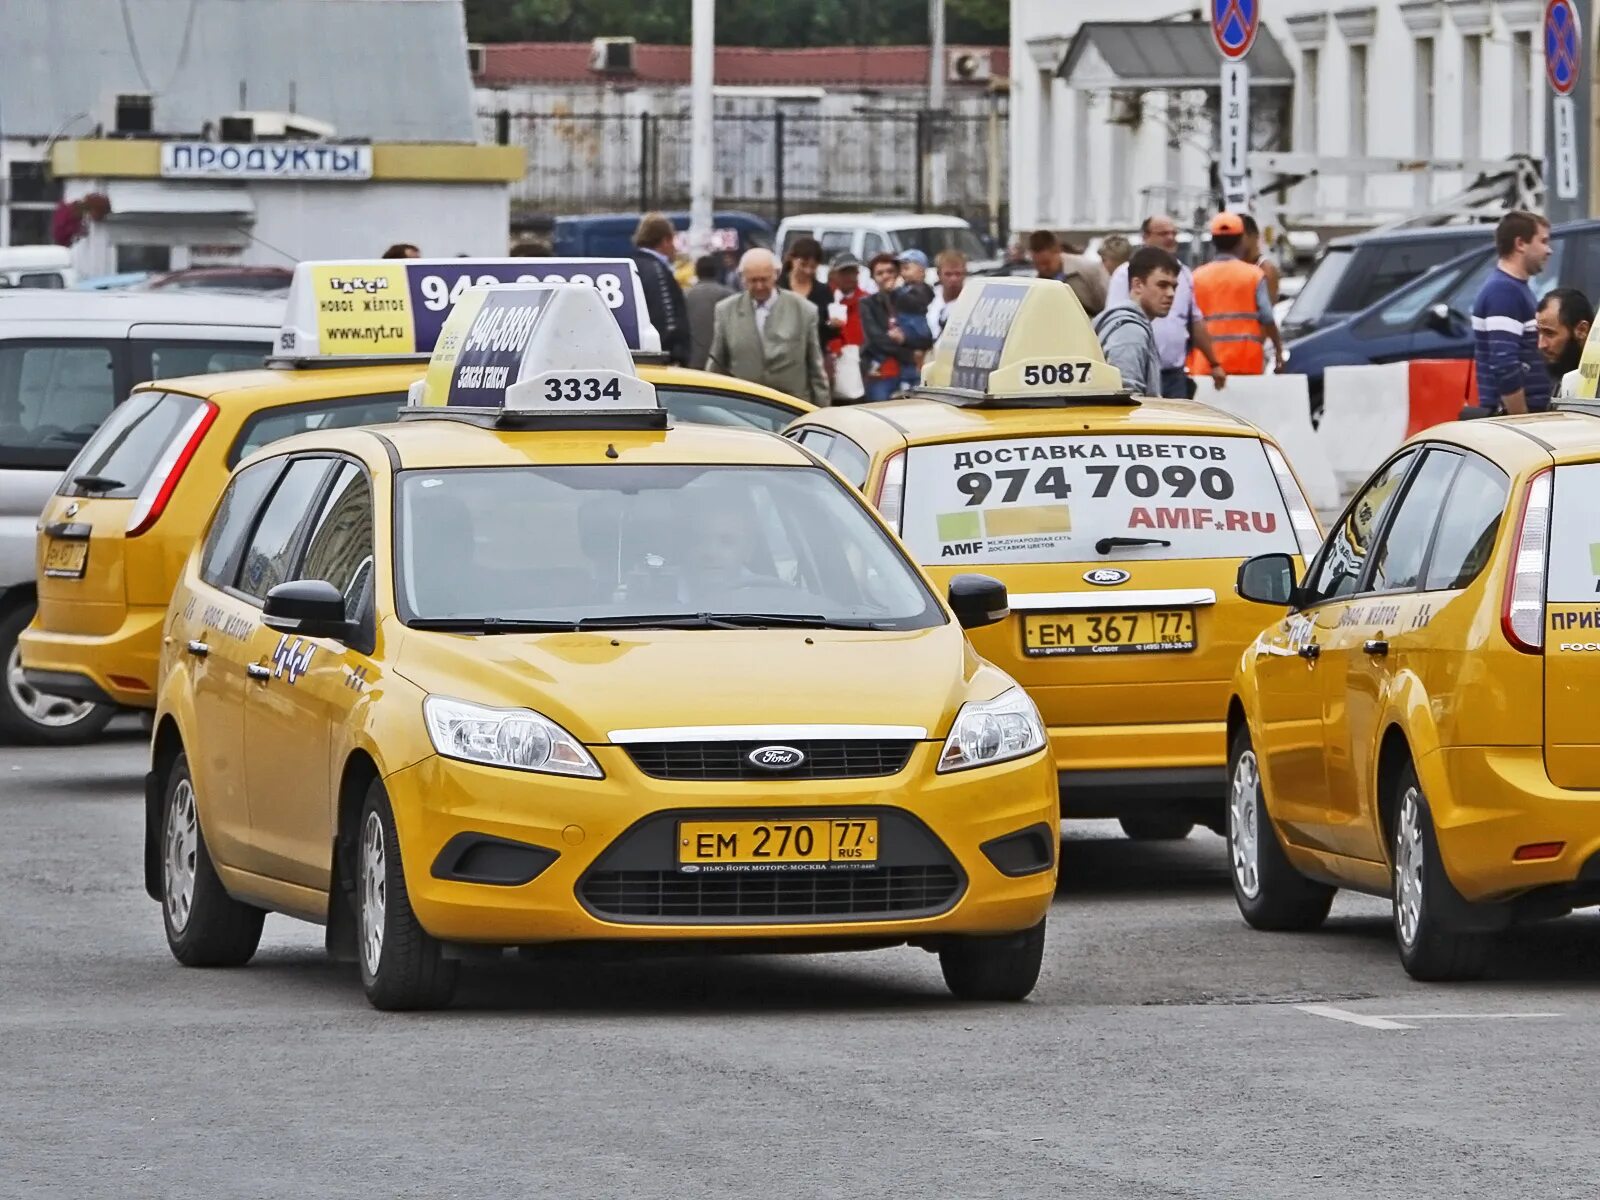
x,y
776,758
1106,576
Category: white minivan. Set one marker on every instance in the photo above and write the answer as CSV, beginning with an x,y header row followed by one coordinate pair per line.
x,y
67,358
47,267
872,233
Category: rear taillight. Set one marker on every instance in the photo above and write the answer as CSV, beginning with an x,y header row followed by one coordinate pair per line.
x,y
891,494
1301,519
169,469
1522,618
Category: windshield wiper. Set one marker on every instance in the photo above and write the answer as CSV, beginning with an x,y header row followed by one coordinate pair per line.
x,y
656,621
97,483
1107,544
727,620
797,621
489,625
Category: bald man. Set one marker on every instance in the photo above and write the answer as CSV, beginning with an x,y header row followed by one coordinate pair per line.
x,y
768,336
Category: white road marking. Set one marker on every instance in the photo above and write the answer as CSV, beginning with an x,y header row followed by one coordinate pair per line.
x,y
1334,1013
1468,1016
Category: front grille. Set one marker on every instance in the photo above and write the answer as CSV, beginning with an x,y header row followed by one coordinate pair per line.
x,y
770,895
730,760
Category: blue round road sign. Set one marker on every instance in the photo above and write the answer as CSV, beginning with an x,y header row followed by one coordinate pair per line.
x,y
1233,25
1563,41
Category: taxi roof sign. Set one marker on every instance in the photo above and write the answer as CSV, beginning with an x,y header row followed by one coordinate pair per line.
x,y
396,308
533,350
1025,342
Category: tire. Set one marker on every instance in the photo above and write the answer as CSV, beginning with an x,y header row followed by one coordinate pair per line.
x,y
205,926
997,967
1271,894
1156,827
1431,950
403,968
29,717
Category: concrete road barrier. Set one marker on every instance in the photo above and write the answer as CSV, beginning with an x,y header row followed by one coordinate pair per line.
x,y
1281,405
1366,411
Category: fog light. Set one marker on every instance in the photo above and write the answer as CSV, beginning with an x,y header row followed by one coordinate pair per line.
x,y
1538,851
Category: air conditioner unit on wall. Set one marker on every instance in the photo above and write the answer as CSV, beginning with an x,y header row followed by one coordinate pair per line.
x,y
1127,108
968,66
612,54
135,113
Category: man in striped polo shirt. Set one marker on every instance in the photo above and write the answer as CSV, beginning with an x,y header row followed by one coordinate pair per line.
x,y
1512,377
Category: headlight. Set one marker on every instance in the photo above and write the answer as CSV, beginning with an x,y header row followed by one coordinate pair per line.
x,y
991,731
505,737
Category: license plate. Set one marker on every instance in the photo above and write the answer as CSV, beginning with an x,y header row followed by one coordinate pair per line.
x,y
749,844
1048,635
65,560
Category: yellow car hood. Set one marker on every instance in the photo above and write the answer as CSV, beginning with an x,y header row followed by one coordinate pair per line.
x,y
593,683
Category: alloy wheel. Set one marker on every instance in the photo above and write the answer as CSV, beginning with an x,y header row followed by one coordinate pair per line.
x,y
1408,867
374,891
40,708
182,852
1244,834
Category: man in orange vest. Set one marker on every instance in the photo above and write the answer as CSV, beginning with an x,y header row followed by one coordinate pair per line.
x,y
1238,312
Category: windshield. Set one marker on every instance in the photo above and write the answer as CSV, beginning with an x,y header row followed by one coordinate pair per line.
x,y
613,543
934,241
1093,498
1313,299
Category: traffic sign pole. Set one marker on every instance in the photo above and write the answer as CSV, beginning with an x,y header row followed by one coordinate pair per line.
x,y
1567,113
1233,29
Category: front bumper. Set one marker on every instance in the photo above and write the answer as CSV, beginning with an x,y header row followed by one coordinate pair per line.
x,y
120,667
1109,770
583,823
1494,799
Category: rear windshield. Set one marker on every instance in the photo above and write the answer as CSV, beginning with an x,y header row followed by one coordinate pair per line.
x,y
345,413
119,458
1574,574
1059,499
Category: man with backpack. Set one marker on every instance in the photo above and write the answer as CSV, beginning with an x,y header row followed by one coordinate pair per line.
x,y
1126,333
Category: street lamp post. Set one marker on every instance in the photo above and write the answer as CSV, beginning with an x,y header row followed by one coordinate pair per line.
x,y
701,125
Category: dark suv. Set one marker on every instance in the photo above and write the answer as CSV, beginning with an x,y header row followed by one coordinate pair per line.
x,y
1362,269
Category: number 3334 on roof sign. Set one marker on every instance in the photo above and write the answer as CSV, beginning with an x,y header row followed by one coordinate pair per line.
x,y
535,348
1233,26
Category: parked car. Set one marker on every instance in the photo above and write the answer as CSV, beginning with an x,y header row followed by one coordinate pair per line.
x,y
1432,316
36,267
67,358
1360,270
867,234
610,235
264,280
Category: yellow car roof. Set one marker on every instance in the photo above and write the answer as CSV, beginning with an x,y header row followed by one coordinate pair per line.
x,y
921,418
1565,435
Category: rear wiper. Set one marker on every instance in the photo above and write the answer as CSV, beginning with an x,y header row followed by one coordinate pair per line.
x,y
1107,544
489,625
97,483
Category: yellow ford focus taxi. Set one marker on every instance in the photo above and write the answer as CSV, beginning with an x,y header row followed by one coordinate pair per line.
x,y
1117,523
114,537
1419,724
538,664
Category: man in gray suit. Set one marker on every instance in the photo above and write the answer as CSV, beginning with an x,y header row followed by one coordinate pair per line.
x,y
702,300
768,336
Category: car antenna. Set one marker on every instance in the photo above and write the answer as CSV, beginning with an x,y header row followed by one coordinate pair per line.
x,y
611,451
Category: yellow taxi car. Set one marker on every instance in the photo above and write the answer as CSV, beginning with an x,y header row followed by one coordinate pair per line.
x,y
537,664
113,538
1418,725
1116,522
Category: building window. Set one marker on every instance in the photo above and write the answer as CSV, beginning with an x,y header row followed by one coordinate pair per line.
x,y
1423,136
1311,92
1357,184
136,257
34,194
1521,103
1471,96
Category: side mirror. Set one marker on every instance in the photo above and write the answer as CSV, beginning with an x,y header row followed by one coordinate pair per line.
x,y
308,607
978,600
1267,579
1441,319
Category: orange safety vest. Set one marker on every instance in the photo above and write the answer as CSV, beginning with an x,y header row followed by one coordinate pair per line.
x,y
1225,290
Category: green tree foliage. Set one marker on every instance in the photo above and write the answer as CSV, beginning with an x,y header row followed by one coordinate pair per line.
x,y
739,22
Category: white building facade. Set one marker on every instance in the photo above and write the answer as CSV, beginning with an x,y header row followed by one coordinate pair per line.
x,y
1421,79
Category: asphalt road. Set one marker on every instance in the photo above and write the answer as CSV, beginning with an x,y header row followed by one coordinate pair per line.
x,y
1164,1054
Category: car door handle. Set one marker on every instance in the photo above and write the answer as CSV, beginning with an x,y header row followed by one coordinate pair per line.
x,y
1377,647
198,649
1310,651
258,671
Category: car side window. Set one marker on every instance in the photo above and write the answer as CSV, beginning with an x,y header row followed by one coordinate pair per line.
x,y
834,241
814,439
340,548
1468,525
1343,559
271,424
874,244
53,396
235,512
269,556
1397,564
705,406
851,460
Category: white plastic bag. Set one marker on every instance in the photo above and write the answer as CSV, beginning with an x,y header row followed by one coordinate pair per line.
x,y
847,383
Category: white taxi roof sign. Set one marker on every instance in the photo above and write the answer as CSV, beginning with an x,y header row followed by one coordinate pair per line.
x,y
396,308
535,351
1023,342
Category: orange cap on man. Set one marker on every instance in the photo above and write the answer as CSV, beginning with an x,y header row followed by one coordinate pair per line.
x,y
1227,224
1230,292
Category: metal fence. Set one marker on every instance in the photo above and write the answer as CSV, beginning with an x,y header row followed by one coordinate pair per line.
x,y
772,163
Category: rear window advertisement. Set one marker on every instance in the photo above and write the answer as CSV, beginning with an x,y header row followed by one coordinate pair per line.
x,y
1052,499
1574,572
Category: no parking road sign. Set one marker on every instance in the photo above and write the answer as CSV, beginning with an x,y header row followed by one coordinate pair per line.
x,y
1563,41
1234,23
